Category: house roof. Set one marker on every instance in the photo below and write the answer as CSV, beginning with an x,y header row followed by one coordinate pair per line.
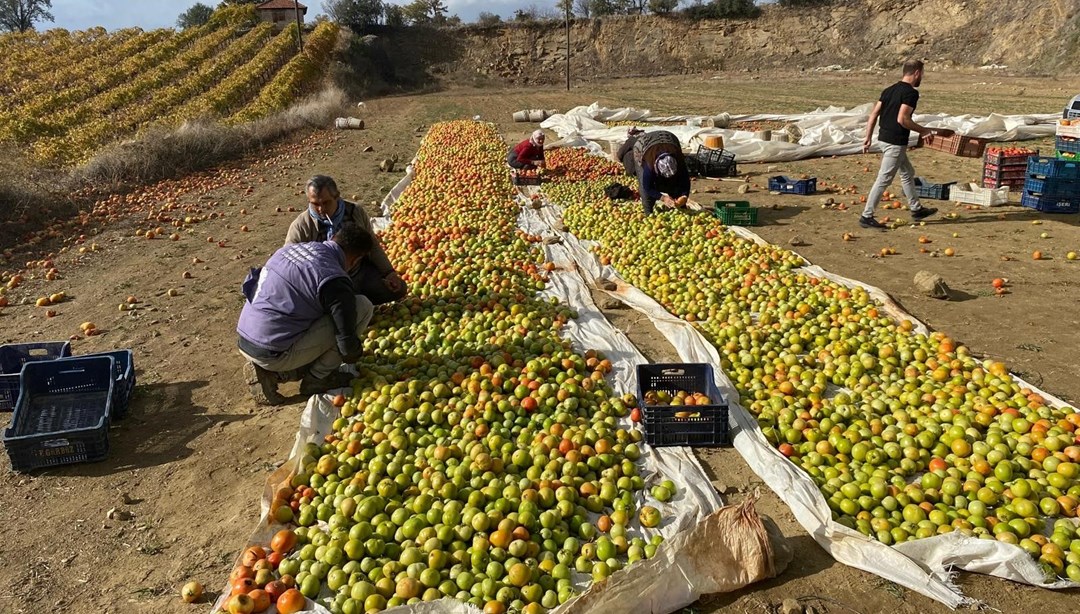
x,y
279,4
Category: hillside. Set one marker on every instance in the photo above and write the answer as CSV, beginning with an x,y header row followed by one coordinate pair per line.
x,y
68,94
855,34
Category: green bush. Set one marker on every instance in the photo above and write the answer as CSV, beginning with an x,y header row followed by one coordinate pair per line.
x,y
723,9
798,3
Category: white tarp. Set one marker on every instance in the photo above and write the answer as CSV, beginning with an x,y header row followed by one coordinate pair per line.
x,y
924,566
832,131
708,548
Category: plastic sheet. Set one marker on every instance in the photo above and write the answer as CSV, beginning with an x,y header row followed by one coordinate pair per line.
x,y
708,548
832,131
924,566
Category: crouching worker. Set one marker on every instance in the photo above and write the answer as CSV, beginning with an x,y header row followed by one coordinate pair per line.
x,y
303,318
625,155
375,276
661,170
528,154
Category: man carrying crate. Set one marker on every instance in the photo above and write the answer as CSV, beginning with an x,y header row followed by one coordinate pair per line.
x,y
894,108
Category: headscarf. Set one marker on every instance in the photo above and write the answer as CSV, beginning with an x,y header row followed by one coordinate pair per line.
x,y
537,137
666,165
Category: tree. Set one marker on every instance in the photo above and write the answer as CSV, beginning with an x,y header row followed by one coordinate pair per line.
x,y
583,7
394,15
195,16
663,7
437,9
20,15
488,19
355,14
603,8
416,12
723,9
564,6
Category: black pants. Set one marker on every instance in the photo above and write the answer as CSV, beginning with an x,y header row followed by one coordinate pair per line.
x,y
367,280
512,160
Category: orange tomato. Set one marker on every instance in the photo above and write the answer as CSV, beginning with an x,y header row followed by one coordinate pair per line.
x,y
241,572
283,541
261,600
291,602
242,586
252,555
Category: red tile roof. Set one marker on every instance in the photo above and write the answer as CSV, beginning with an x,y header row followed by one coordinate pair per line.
x,y
279,4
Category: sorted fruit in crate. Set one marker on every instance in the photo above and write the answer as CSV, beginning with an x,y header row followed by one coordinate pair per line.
x,y
682,397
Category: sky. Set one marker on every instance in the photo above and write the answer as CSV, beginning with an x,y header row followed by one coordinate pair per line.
x,y
148,14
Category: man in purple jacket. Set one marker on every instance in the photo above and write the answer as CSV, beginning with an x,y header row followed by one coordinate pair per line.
x,y
302,317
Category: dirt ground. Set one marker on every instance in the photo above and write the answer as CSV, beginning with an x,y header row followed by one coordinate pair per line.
x,y
190,461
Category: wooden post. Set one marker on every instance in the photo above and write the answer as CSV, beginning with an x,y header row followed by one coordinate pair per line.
x,y
299,26
568,46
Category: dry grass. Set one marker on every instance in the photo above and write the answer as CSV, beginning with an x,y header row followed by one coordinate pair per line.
x,y
162,153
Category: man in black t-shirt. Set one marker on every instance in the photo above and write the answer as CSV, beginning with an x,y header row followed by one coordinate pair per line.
x,y
894,108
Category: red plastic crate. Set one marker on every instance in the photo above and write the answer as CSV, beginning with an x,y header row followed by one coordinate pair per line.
x,y
957,145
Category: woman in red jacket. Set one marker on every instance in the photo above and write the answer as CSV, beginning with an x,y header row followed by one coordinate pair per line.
x,y
528,154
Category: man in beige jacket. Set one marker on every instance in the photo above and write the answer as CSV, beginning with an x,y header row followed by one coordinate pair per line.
x,y
375,277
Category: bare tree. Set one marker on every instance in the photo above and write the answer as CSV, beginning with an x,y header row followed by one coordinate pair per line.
x,y
583,8
20,15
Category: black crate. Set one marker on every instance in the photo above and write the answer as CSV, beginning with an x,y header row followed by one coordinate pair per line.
x,y
12,359
124,380
526,180
709,428
786,185
936,191
63,413
714,162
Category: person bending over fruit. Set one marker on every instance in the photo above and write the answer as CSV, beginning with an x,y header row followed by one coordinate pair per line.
x,y
528,154
660,167
375,276
302,317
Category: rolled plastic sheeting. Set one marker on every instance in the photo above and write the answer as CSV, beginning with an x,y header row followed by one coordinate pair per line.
x,y
349,123
832,131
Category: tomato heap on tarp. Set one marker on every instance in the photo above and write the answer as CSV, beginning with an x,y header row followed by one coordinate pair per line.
x,y
906,435
479,457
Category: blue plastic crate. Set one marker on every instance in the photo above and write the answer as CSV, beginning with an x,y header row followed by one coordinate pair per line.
x,y
708,424
124,376
12,359
1067,145
1054,188
1050,204
63,413
936,191
1052,168
786,185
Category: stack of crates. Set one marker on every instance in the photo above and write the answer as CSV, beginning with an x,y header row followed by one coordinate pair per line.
x,y
1006,167
1052,185
1067,141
